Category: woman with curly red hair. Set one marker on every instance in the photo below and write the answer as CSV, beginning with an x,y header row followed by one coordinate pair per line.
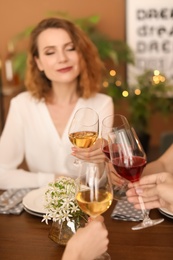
x,y
64,73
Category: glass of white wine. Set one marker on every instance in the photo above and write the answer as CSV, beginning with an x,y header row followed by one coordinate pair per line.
x,y
84,128
94,195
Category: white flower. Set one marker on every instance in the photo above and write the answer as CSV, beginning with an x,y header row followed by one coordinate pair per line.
x,y
74,208
60,202
67,215
46,218
60,217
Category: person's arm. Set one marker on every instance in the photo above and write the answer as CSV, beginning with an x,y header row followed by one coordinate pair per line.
x,y
162,164
155,189
12,154
88,242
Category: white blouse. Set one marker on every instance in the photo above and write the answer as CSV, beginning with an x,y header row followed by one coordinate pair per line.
x,y
29,133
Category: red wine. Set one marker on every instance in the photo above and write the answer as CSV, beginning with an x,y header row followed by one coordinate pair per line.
x,y
131,172
105,150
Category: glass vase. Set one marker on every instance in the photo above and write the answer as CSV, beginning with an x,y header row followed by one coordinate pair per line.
x,y
61,233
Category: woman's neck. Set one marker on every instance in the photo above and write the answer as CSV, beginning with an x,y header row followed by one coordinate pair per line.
x,y
63,94
60,103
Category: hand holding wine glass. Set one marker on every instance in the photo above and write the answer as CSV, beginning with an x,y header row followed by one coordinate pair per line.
x,y
84,128
94,195
129,160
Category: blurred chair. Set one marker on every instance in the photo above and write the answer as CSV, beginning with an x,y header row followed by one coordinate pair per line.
x,y
1,112
166,139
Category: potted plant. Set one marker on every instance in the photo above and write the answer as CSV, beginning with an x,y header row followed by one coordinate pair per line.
x,y
62,208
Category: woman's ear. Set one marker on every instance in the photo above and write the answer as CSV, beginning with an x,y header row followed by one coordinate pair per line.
x,y
37,60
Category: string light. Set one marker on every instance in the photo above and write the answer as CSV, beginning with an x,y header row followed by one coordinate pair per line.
x,y
118,83
137,91
105,84
125,93
112,73
157,78
162,79
156,72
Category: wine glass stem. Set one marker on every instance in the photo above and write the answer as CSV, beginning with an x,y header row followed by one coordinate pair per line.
x,y
146,218
77,162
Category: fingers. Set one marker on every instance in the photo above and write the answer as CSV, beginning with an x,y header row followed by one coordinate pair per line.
x,y
132,185
131,192
148,193
149,205
116,179
99,218
149,179
87,151
89,154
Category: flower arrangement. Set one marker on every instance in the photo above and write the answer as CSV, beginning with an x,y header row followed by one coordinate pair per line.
x,y
61,204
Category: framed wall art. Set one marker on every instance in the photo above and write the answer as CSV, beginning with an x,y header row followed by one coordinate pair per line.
x,y
149,33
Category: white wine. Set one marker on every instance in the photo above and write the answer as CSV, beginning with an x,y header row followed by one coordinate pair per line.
x,y
94,207
83,139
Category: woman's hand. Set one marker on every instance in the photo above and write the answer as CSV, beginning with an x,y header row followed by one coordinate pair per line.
x,y
116,179
92,154
155,189
88,242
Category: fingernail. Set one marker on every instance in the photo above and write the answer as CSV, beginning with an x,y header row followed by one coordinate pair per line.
x,y
139,191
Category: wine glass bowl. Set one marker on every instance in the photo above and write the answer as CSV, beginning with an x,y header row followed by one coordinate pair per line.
x,y
84,128
109,124
83,131
127,154
94,195
129,159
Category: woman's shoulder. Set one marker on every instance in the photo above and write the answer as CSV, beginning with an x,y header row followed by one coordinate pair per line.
x,y
98,101
23,98
100,97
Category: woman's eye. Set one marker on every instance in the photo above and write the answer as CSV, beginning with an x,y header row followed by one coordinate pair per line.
x,y
70,49
49,53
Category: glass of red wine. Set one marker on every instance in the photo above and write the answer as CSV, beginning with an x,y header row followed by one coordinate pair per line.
x,y
129,159
110,123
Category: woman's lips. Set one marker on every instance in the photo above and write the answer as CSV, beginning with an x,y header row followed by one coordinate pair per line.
x,y
63,70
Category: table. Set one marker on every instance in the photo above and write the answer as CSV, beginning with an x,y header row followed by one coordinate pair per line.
x,y
26,237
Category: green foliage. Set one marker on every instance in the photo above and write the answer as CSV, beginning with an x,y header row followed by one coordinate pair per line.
x,y
24,34
152,98
19,64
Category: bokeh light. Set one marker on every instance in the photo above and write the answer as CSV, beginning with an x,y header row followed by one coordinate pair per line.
x,y
105,84
112,73
125,93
